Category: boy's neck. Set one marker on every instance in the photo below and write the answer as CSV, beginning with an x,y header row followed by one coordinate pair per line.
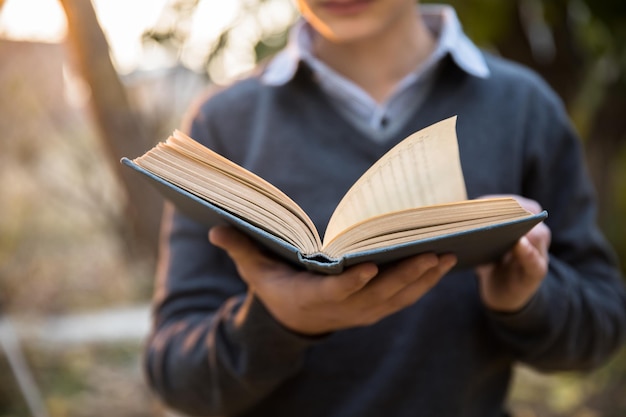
x,y
379,63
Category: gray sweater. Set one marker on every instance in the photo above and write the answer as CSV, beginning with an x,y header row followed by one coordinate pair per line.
x,y
446,355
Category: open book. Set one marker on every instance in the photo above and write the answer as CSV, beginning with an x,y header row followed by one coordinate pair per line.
x,y
413,200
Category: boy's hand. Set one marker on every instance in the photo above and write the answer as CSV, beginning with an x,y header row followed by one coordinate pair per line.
x,y
312,304
509,284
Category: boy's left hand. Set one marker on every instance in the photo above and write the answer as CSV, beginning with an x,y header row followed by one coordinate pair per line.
x,y
508,285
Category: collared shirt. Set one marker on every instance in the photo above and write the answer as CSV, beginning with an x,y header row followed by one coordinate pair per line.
x,y
355,103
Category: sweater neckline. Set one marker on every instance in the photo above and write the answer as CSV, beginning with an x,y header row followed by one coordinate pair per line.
x,y
436,105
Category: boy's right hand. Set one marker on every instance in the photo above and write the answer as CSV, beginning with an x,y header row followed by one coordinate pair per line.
x,y
314,304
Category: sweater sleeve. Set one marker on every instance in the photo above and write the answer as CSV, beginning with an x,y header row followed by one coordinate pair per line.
x,y
214,349
577,319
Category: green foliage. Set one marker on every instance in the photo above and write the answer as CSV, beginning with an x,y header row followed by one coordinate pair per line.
x,y
484,21
266,47
92,381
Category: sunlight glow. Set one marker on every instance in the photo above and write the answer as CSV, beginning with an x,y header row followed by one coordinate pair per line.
x,y
124,22
18,21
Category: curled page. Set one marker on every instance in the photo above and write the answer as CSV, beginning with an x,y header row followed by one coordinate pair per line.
x,y
422,170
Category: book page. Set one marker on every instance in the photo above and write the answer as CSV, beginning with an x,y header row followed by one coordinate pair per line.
x,y
420,222
184,162
422,170
192,149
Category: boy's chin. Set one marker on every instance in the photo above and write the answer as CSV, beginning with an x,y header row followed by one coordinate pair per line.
x,y
349,32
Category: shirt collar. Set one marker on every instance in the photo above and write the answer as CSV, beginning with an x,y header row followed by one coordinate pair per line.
x,y
441,19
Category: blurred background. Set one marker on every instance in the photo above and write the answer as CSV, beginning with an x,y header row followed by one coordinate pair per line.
x,y
83,83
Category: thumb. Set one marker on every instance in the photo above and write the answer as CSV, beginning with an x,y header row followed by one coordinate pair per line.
x,y
530,257
235,243
247,256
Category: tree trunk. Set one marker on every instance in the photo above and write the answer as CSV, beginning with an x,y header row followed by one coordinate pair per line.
x,y
121,129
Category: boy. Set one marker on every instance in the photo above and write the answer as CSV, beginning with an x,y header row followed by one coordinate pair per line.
x,y
237,332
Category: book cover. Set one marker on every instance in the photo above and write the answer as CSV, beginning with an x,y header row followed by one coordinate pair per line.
x,y
472,247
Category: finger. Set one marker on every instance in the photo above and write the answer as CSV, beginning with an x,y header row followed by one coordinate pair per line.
x,y
411,293
227,238
246,255
485,270
529,204
337,288
426,282
531,259
488,269
397,277
236,244
540,237
311,289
